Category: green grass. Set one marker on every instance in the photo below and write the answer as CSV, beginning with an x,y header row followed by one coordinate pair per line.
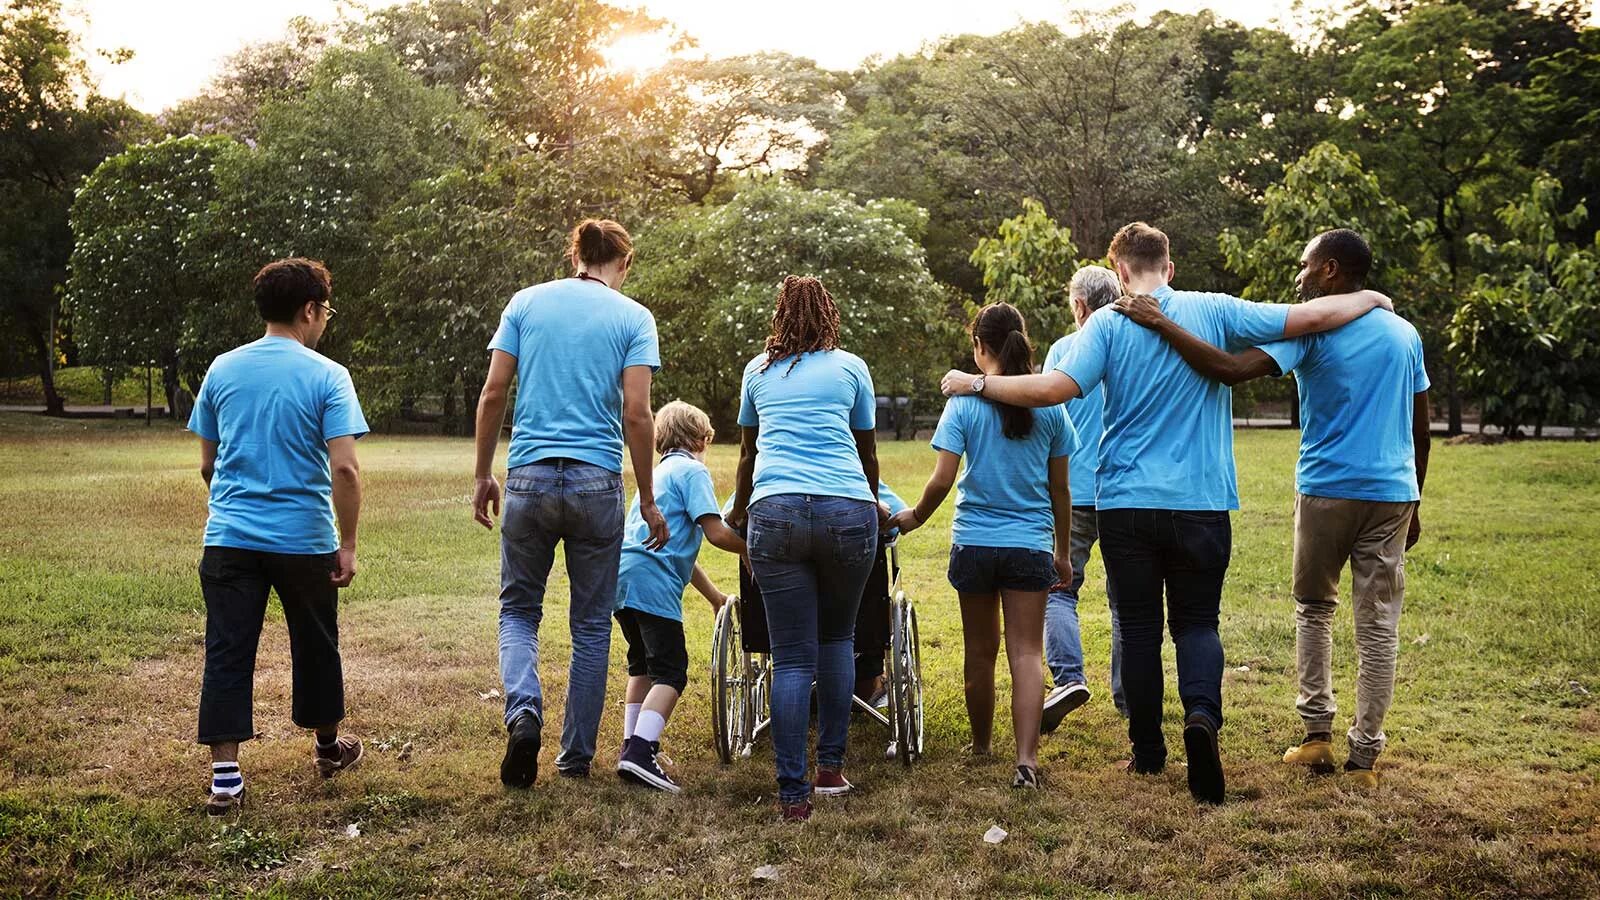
x,y
1489,781
80,386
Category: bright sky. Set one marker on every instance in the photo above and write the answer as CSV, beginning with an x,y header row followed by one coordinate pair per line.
x,y
178,44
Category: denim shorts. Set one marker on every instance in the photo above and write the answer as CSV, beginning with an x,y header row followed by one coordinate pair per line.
x,y
984,570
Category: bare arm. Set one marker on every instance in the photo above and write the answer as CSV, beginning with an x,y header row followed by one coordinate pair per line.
x,y
346,505
1061,509
707,588
720,535
1212,362
744,476
1328,313
208,460
867,449
933,493
1044,389
1421,441
491,416
639,432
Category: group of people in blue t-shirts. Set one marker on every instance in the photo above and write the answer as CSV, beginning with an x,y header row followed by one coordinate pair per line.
x,y
1125,439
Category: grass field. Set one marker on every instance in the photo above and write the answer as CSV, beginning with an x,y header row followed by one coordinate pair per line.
x,y
1489,783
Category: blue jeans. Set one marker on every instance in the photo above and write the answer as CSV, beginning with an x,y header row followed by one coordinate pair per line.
x,y
812,556
1186,553
1063,647
580,506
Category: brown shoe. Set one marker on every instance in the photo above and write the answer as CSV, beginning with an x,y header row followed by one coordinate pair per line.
x,y
347,751
1314,755
223,805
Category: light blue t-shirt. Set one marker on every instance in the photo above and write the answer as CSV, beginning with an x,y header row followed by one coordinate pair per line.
x,y
1087,414
1357,387
806,416
652,581
890,499
1168,441
572,338
1003,494
271,407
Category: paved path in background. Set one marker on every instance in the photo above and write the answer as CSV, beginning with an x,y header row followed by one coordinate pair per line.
x,y
73,410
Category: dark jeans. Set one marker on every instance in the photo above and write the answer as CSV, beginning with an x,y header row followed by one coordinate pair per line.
x,y
811,557
235,584
1186,553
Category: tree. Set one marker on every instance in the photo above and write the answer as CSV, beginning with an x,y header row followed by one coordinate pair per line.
x,y
1528,334
54,129
1029,264
1567,117
131,292
710,275
276,70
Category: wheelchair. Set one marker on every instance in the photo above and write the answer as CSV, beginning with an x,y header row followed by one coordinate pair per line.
x,y
741,663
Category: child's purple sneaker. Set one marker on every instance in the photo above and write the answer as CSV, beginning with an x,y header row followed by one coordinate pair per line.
x,y
639,765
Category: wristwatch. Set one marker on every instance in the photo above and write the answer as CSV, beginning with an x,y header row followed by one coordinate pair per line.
x,y
977,384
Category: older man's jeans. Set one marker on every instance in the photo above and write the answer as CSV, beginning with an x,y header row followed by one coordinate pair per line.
x,y
1063,644
580,506
812,556
1186,553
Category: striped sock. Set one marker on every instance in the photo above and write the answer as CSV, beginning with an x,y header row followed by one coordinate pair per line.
x,y
226,778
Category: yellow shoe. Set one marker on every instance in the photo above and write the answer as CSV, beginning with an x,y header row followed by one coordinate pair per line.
x,y
1314,755
1360,779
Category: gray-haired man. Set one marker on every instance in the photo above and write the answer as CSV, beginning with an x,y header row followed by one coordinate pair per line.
x,y
1092,288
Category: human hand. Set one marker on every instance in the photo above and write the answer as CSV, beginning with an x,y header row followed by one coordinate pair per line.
x,y
1414,530
737,519
1381,300
956,382
905,521
657,523
883,516
1063,564
344,567
1143,309
485,493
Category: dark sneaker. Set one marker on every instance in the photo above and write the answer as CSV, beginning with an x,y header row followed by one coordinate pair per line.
x,y
1059,702
346,752
520,768
795,812
1205,762
1027,778
223,805
831,783
640,766
573,771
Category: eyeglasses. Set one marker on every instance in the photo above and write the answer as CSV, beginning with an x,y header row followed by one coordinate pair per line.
x,y
331,311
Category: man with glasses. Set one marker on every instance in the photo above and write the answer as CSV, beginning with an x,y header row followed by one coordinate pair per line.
x,y
278,423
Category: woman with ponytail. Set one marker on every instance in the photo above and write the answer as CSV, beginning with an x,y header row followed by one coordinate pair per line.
x,y
807,484
1013,524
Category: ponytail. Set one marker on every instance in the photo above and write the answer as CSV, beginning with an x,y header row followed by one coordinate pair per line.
x,y
596,242
1004,334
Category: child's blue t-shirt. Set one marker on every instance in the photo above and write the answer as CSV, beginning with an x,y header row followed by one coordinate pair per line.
x,y
271,407
1003,494
652,581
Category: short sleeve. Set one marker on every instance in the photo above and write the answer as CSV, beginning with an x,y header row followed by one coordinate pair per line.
x,y
748,418
1288,353
951,435
203,419
864,411
508,337
1065,439
699,494
1085,360
1057,351
1419,367
341,411
1248,324
889,498
644,349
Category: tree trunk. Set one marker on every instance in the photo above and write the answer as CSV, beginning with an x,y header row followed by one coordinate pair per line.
x,y
169,384
44,346
1453,399
470,389
106,377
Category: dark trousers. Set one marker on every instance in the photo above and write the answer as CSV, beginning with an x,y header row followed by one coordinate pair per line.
x,y
1184,553
235,584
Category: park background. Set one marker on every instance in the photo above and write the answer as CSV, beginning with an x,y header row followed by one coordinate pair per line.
x,y
435,153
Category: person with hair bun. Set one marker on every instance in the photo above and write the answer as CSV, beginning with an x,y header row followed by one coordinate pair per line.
x,y
1010,538
807,486
583,356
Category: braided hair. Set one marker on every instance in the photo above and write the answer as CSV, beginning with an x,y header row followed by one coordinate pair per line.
x,y
805,320
999,327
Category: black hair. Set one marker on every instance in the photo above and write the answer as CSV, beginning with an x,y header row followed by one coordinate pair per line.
x,y
1350,250
1002,331
285,286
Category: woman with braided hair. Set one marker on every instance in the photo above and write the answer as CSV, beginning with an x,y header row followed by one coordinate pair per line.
x,y
807,484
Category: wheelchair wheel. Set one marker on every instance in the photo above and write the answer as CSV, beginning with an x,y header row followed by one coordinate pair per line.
x,y
905,676
730,714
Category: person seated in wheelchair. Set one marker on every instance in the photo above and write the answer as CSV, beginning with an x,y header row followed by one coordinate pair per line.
x,y
650,585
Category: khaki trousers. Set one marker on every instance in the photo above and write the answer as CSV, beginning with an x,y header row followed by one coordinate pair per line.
x,y
1372,537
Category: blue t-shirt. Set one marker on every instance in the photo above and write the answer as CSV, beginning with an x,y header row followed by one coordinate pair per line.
x,y
806,416
271,407
1168,441
572,338
1088,419
652,581
1357,386
1003,494
890,499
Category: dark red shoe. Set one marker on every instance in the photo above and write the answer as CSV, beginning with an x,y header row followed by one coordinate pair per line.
x,y
831,783
795,812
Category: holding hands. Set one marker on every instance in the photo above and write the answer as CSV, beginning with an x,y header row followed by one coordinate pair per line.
x,y
905,521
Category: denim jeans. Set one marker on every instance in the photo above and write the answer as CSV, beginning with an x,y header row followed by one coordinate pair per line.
x,y
1063,646
812,556
1187,553
580,506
